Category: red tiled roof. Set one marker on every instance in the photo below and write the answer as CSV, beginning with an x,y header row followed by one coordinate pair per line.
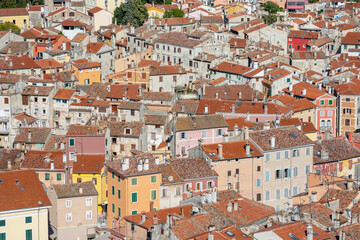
x,y
49,63
95,10
70,22
130,91
17,62
13,12
231,150
240,122
94,47
312,92
87,163
12,197
231,68
64,93
303,34
82,130
42,160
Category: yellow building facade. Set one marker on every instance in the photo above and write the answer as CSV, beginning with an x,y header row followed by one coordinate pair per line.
x,y
18,16
87,73
155,12
25,223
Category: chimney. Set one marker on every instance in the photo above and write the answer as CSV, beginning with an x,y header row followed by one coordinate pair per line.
x,y
80,190
220,151
226,137
210,236
157,160
10,63
143,217
303,92
125,164
9,165
265,108
182,108
216,95
235,205
146,164
313,196
151,206
140,165
327,135
52,164
132,29
247,148
246,130
309,232
324,155
236,130
336,219
272,142
290,87
29,135
229,207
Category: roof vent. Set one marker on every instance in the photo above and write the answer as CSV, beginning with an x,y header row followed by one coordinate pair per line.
x,y
1,181
22,188
17,181
39,202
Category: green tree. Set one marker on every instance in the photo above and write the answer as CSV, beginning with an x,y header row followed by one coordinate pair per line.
x,y
9,25
168,1
131,12
271,7
270,19
175,12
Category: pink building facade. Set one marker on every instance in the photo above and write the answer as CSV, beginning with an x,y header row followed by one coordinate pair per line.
x,y
189,139
194,187
326,113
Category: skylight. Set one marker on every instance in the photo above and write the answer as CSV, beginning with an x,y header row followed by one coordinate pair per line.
x,y
293,135
293,236
230,233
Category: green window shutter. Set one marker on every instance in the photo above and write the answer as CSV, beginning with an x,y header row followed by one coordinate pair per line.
x,y
290,46
113,208
113,175
288,80
119,194
2,236
58,176
72,142
29,234
113,190
134,181
118,178
153,179
134,197
2,223
28,220
153,194
47,176
134,212
55,113
119,212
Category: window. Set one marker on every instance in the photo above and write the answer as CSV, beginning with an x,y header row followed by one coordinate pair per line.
x,y
322,102
119,212
118,178
198,186
88,201
113,190
119,194
278,155
267,176
134,197
153,194
347,122
134,181
132,112
347,99
28,234
79,115
113,175
277,193
296,171
307,169
295,190
290,46
286,192
286,153
347,111
296,153
2,236
183,135
258,197
72,142
178,191
322,113
219,132
203,133
278,174
258,182
330,102
47,176
6,100
134,212
267,157
68,203
267,195
68,217
58,176
2,223
307,151
229,173
89,214
113,208
153,179
286,173
164,192
330,113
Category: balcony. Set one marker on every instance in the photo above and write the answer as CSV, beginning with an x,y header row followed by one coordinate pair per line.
x,y
326,128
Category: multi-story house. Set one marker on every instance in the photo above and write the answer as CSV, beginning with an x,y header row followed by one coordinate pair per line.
x,y
348,118
23,219
123,137
103,53
86,72
32,138
61,105
48,165
277,80
155,130
100,17
74,210
133,185
188,130
350,42
179,47
171,187
316,61
48,42
128,111
168,78
325,113
336,157
141,39
83,140
238,164
196,175
90,168
55,18
36,101
19,65
288,158
17,16
297,39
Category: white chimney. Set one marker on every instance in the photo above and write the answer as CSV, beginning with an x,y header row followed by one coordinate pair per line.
x,y
229,207
290,87
80,190
313,196
52,164
146,164
246,133
236,130
220,150
157,160
272,142
206,109
140,165
247,148
310,232
303,92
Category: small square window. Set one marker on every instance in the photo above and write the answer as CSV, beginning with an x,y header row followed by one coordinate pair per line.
x,y
2,223
72,142
153,179
134,181
28,220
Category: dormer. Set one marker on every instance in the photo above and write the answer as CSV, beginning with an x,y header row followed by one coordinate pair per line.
x,y
127,131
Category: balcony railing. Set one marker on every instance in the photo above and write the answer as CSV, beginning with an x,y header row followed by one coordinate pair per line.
x,y
326,128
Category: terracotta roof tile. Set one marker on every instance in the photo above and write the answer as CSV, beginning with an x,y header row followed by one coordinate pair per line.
x,y
38,159
94,10
13,197
49,63
118,129
13,12
38,135
73,190
233,92
130,91
192,168
200,122
231,68
82,130
231,150
87,163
